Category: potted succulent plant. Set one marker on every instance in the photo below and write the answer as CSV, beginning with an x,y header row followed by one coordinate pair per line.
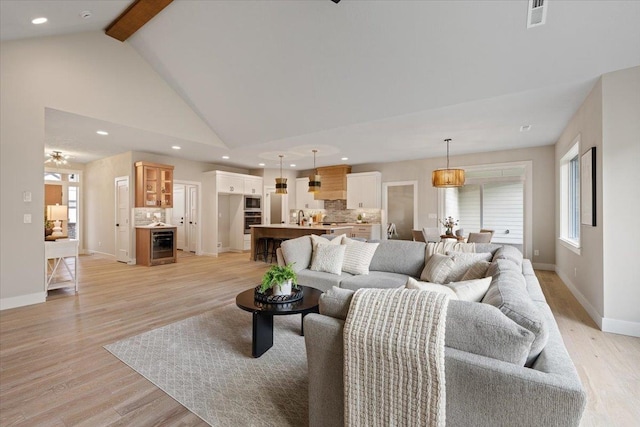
x,y
280,279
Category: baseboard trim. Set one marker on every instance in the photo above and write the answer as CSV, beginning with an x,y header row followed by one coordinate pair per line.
x,y
591,311
22,300
91,252
622,327
210,254
543,266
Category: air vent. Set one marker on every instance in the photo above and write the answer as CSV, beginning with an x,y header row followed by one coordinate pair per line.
x,y
537,14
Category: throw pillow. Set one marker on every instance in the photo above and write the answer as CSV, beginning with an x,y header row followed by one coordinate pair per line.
x,y
433,287
477,271
471,290
463,261
297,252
437,269
315,239
357,256
328,258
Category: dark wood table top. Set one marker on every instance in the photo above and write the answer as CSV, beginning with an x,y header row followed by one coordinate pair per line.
x,y
246,301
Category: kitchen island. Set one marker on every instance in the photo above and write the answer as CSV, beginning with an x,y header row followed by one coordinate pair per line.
x,y
291,231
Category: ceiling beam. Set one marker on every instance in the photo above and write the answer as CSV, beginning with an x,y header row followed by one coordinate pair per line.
x,y
134,17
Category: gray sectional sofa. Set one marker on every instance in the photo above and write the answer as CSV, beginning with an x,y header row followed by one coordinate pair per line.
x,y
505,361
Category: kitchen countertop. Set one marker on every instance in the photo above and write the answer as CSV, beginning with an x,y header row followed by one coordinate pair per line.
x,y
302,227
156,226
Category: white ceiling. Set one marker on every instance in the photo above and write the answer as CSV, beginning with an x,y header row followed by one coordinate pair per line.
x,y
371,80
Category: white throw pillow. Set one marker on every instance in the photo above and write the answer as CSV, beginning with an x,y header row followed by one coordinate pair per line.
x,y
477,271
433,287
315,239
328,258
437,269
463,262
357,256
471,290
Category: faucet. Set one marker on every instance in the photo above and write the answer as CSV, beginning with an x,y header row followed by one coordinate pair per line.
x,y
300,216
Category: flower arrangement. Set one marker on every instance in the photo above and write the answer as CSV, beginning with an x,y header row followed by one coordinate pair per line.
x,y
448,224
276,276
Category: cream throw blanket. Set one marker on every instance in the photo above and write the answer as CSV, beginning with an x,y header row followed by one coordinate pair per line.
x,y
394,358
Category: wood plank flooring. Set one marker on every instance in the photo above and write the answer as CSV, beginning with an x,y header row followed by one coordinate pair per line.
x,y
54,371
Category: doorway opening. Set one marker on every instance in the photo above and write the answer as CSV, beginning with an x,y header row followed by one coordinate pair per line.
x,y
276,207
400,208
185,215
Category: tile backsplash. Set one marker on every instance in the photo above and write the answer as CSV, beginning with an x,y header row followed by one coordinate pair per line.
x,y
338,212
140,216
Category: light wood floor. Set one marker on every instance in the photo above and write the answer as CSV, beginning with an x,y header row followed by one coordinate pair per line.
x,y
54,371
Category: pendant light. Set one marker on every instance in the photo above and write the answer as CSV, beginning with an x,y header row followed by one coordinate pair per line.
x,y
447,178
314,180
281,183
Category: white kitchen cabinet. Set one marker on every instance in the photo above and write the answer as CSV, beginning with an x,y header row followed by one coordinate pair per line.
x,y
253,185
304,199
227,182
364,190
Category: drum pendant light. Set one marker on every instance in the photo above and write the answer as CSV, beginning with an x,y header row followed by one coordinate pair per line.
x,y
314,180
281,183
447,178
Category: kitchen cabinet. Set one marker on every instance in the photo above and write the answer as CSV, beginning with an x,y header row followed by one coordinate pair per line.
x,y
253,185
155,246
304,199
366,231
227,182
364,190
154,185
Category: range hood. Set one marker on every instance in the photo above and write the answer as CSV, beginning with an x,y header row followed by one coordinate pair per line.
x,y
334,182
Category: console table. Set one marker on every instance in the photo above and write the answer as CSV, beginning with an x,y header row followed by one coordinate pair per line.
x,y
56,254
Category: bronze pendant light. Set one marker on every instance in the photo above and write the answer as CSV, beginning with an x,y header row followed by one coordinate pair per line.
x,y
447,178
281,183
314,180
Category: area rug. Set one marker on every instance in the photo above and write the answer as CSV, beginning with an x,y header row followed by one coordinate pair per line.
x,y
204,362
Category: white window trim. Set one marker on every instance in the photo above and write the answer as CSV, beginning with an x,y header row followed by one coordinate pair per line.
x,y
571,244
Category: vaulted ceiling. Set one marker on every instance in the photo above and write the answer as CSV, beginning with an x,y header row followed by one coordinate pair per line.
x,y
368,80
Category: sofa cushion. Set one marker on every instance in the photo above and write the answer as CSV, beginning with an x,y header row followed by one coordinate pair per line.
x,y
477,271
433,287
487,247
508,294
335,302
399,256
328,258
501,265
463,261
482,329
510,253
321,280
471,290
437,269
297,252
375,279
357,256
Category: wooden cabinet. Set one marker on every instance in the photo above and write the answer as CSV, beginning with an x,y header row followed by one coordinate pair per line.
x,y
366,231
227,182
154,185
334,182
304,199
253,185
364,190
155,246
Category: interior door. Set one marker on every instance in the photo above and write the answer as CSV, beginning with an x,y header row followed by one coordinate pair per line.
x,y
192,217
123,228
178,217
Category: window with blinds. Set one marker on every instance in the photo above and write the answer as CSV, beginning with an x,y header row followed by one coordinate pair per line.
x,y
570,197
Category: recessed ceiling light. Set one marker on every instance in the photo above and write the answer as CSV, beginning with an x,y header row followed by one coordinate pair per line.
x,y
292,165
225,157
102,132
345,158
176,147
38,21
525,128
260,164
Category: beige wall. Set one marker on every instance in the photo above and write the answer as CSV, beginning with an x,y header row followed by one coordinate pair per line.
x,y
604,276
621,200
88,74
543,174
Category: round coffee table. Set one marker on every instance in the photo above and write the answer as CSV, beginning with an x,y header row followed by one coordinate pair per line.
x,y
262,335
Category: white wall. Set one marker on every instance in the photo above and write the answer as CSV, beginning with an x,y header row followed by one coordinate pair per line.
x,y
621,200
89,74
604,277
543,174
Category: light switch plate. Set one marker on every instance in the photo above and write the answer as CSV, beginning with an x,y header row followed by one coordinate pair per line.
x,y
27,218
26,196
